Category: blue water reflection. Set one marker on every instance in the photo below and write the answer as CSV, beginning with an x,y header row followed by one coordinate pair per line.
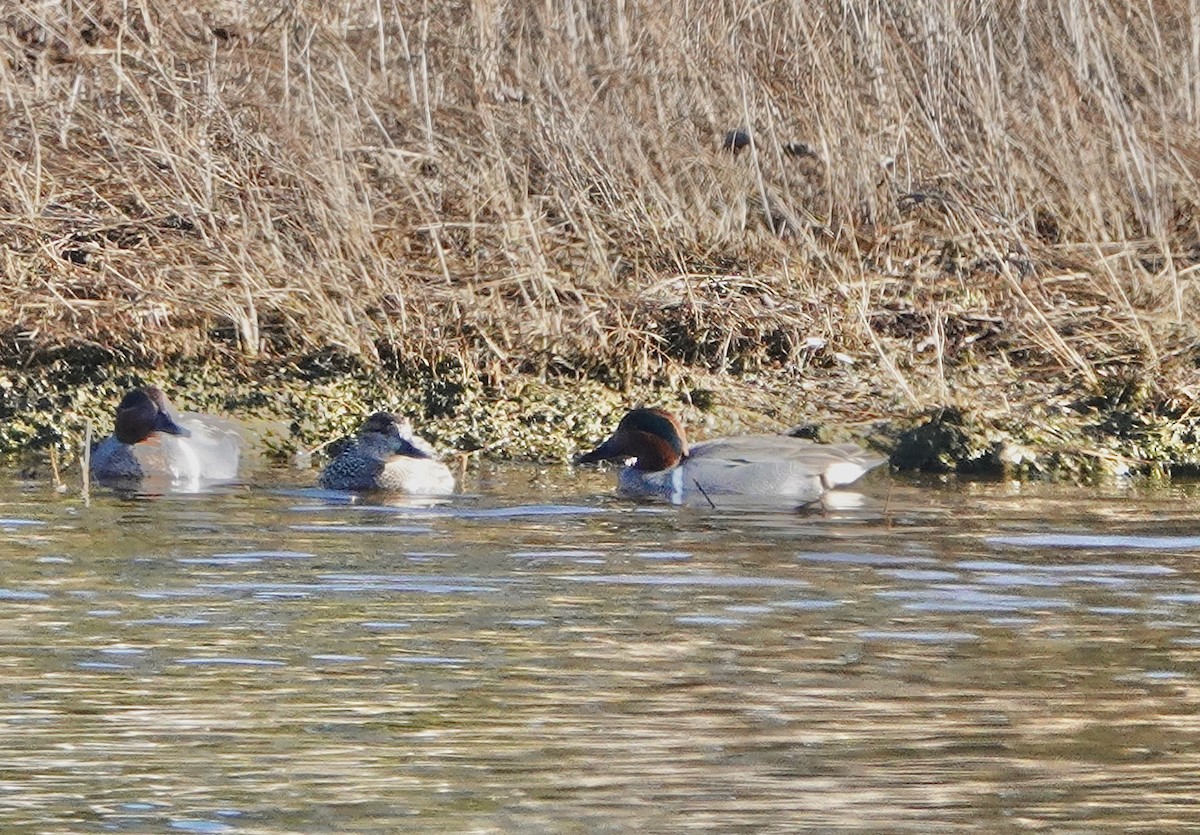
x,y
543,657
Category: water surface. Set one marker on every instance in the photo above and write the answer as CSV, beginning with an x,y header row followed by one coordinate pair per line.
x,y
538,656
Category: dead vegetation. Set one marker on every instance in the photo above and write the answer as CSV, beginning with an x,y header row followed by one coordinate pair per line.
x,y
609,189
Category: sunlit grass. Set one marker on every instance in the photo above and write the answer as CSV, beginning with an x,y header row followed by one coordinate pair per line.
x,y
547,187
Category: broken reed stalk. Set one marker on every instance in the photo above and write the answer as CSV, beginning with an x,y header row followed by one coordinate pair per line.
x,y
704,493
87,464
54,475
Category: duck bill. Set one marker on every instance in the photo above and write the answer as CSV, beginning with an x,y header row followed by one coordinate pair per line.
x,y
165,423
405,448
614,447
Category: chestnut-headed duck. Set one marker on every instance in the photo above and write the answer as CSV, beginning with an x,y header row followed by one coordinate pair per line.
x,y
659,462
150,440
387,455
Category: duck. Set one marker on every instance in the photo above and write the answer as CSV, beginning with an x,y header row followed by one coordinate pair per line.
x,y
387,455
151,440
660,463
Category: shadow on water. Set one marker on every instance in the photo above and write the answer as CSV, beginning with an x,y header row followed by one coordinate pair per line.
x,y
537,655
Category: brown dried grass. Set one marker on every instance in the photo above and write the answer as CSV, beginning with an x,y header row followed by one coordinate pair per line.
x,y
523,186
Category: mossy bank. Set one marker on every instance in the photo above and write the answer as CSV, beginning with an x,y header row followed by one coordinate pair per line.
x,y
293,410
513,220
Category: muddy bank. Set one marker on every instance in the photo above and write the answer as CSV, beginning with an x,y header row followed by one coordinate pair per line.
x,y
274,215
1001,428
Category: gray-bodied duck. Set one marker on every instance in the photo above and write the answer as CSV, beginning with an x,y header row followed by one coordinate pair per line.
x,y
150,440
661,463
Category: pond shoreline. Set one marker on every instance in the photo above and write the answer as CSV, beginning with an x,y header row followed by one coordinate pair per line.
x,y
1019,428
275,216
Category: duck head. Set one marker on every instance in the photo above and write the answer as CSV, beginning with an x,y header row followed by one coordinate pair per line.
x,y
141,413
395,434
653,438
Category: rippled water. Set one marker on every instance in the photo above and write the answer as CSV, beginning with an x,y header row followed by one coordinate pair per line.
x,y
538,656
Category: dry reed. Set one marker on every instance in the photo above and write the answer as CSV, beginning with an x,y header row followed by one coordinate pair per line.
x,y
523,186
